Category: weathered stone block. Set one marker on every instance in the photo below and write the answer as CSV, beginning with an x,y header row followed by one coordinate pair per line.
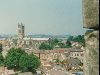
x,y
91,63
91,14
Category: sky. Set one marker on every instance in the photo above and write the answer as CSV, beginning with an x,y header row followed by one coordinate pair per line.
x,y
59,17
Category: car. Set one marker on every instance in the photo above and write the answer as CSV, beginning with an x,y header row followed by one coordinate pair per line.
x,y
78,73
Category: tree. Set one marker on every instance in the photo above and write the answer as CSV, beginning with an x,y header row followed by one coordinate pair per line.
x,y
54,42
1,59
29,62
0,48
61,45
70,38
80,39
65,45
45,46
13,56
18,59
57,61
68,43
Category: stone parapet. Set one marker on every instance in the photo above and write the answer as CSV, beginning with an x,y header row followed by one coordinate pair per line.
x,y
91,63
91,14
91,21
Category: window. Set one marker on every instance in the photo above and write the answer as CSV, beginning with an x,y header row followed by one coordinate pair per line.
x,y
77,54
19,31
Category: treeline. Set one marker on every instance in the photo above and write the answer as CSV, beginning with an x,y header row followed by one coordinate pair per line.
x,y
51,44
79,38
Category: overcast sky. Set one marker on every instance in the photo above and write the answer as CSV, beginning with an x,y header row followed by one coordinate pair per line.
x,y
41,16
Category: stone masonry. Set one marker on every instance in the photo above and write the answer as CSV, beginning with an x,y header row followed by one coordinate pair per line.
x,y
91,22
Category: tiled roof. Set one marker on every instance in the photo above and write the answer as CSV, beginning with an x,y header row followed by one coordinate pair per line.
x,y
76,50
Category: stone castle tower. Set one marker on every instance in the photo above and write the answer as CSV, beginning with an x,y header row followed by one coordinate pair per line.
x,y
91,21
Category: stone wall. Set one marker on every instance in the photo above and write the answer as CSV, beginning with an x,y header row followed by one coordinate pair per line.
x,y
91,13
91,64
91,21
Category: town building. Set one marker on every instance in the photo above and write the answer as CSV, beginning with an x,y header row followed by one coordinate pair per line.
x,y
77,53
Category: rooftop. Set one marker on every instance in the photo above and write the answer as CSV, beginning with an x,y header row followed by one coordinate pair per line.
x,y
38,39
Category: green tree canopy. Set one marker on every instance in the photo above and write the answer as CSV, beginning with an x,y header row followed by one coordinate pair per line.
x,y
29,62
13,56
78,38
1,59
45,46
65,45
70,38
18,59
0,48
68,43
54,42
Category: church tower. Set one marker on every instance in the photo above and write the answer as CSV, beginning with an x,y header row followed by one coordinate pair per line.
x,y
21,31
21,34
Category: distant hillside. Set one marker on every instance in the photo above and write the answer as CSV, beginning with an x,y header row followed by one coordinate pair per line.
x,y
3,36
6,35
48,36
38,36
